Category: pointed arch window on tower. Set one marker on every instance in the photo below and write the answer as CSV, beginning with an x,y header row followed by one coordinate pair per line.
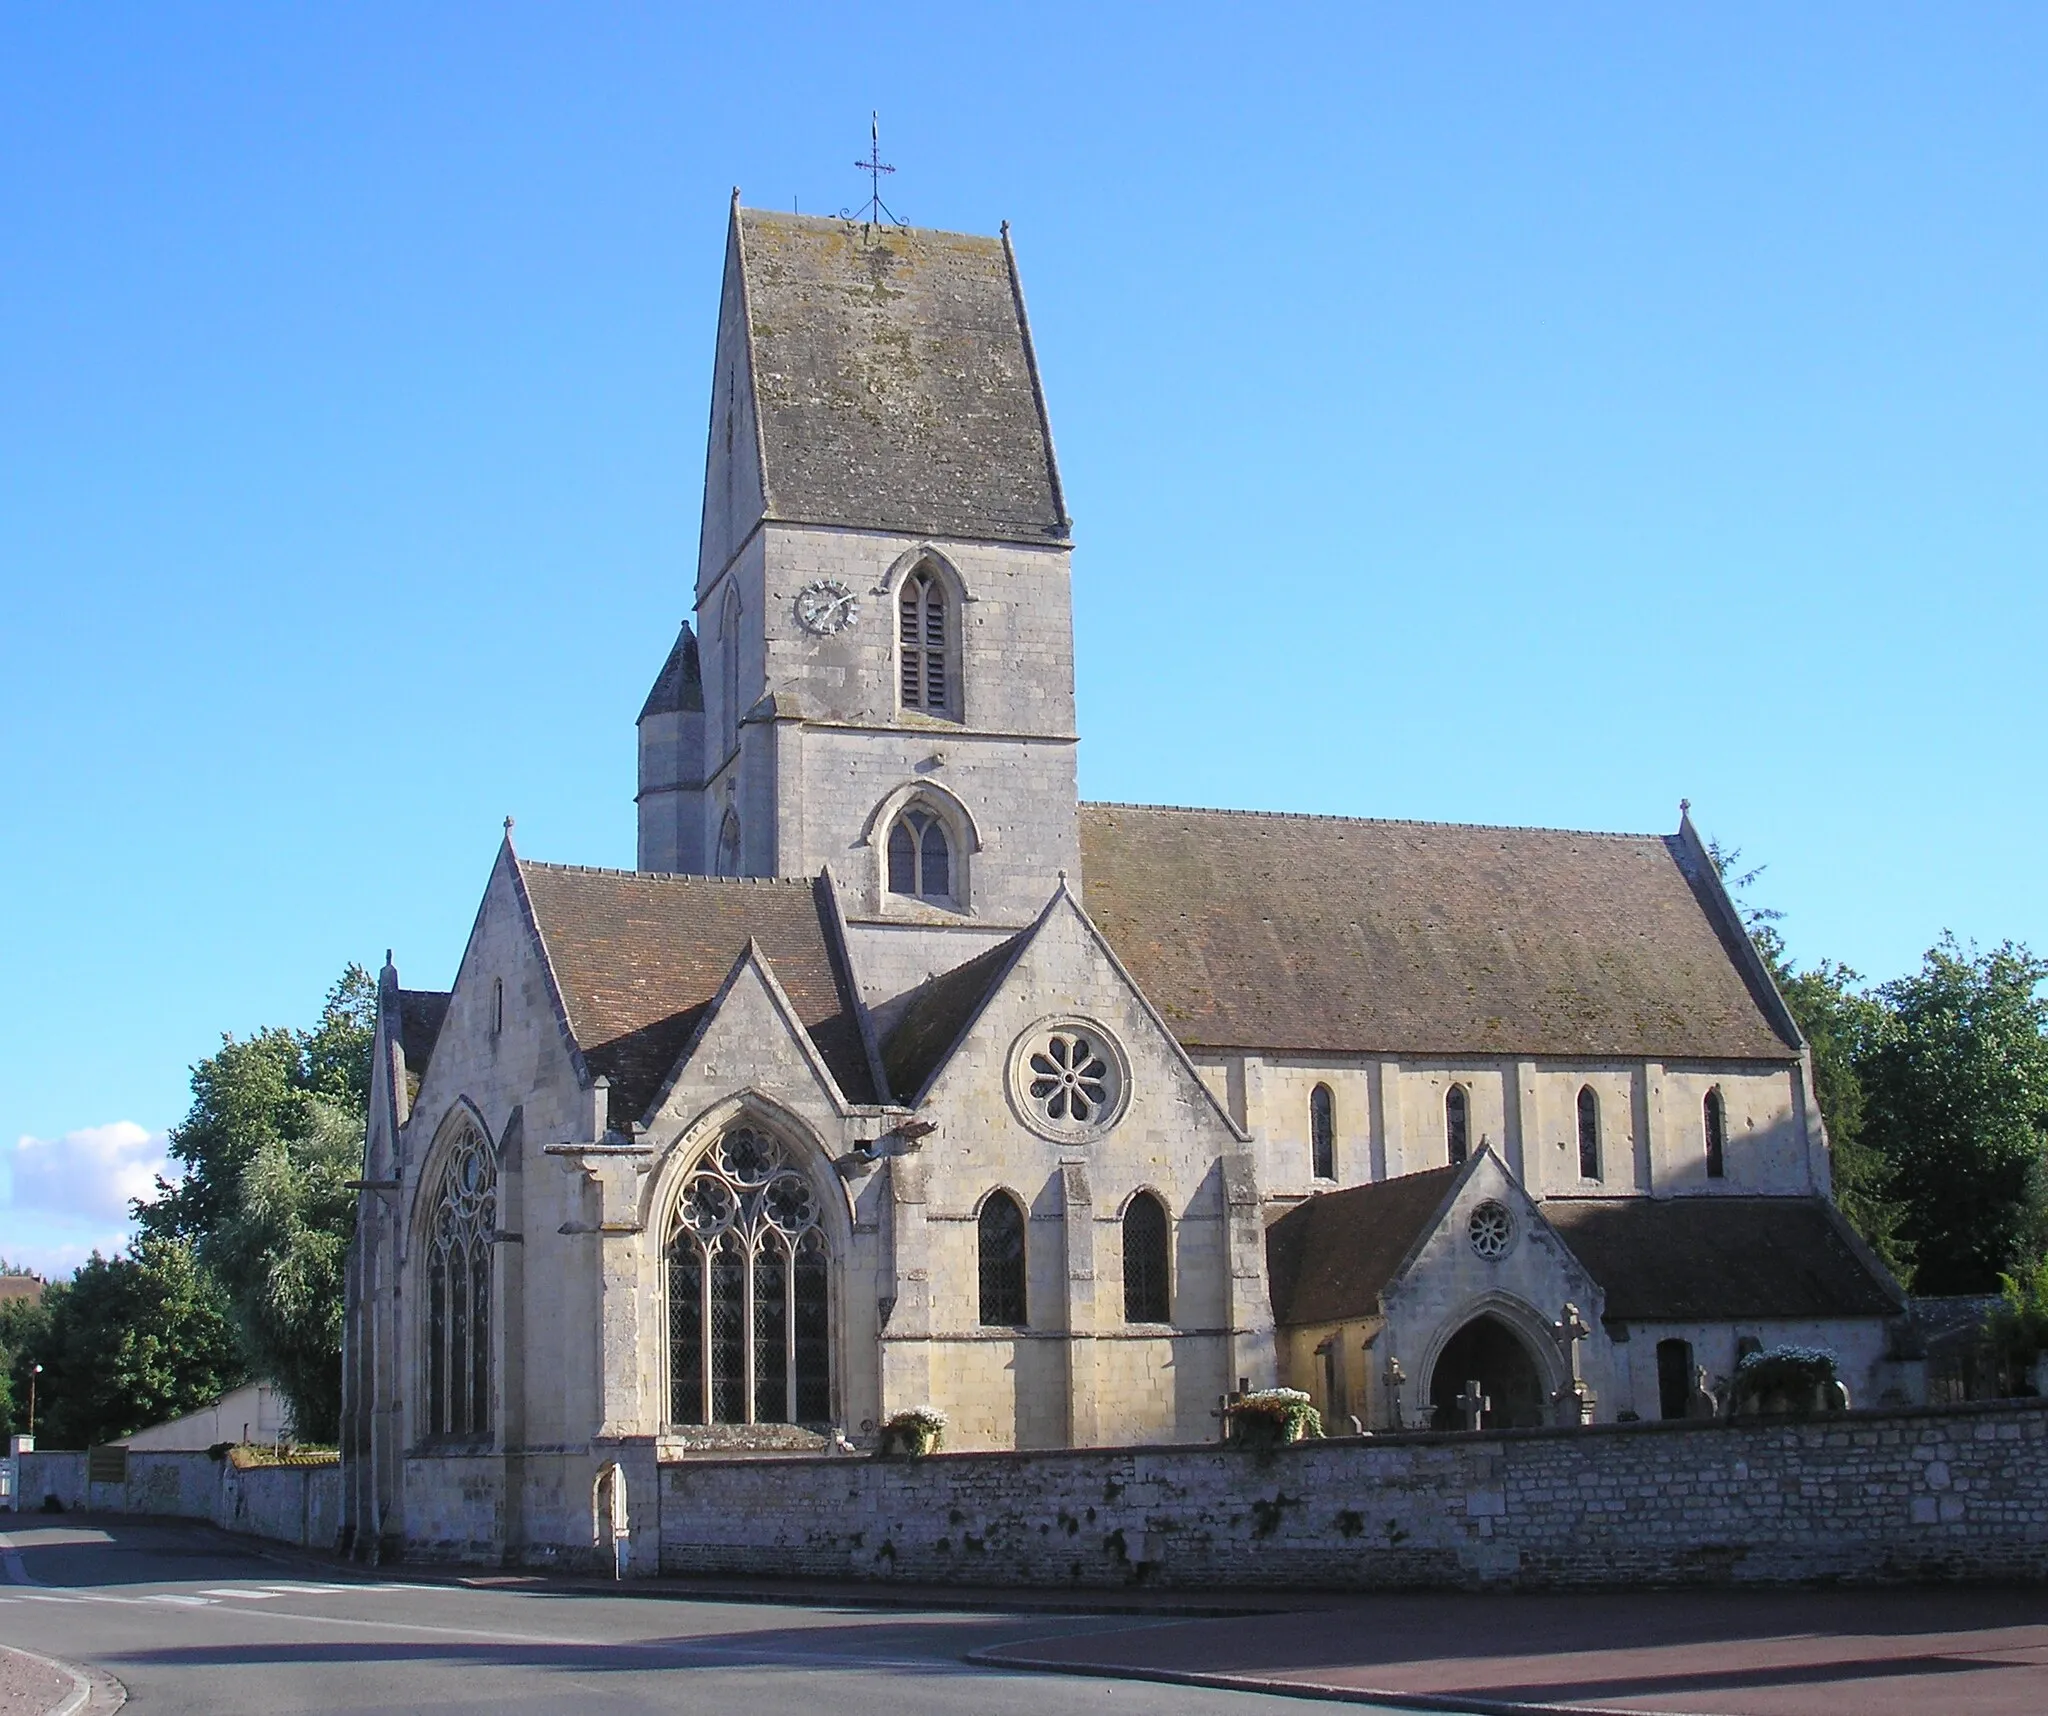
x,y
1322,1133
459,1291
729,670
1589,1133
1457,1123
922,626
921,857
1714,1116
729,845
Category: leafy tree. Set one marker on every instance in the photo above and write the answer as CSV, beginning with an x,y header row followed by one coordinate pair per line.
x,y
1956,1102
274,1130
24,1326
127,1342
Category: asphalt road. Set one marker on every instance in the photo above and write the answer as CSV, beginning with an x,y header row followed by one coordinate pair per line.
x,y
191,1621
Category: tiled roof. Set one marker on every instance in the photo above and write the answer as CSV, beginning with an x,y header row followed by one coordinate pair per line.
x,y
680,684
1329,1258
420,1014
938,1014
1689,1259
1333,935
895,380
640,958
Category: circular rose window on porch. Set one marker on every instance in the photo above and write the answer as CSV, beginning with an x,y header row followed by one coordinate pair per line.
x,y
1068,1079
1491,1230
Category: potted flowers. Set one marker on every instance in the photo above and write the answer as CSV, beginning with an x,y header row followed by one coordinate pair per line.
x,y
917,1431
1272,1417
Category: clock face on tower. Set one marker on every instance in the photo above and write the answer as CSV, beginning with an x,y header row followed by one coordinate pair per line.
x,y
826,606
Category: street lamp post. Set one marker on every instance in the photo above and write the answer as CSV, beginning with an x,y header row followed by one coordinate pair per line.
x,y
34,1371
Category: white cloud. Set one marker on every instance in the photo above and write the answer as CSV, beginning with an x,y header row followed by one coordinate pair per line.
x,y
92,1173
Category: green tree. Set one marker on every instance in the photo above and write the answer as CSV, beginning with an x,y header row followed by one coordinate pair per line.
x,y
275,1128
24,1326
1955,1090
127,1342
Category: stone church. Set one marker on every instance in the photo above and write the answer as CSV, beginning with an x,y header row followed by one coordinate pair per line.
x,y
895,1075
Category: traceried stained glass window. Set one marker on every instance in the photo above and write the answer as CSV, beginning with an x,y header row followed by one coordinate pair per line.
x,y
749,1320
459,1291
920,860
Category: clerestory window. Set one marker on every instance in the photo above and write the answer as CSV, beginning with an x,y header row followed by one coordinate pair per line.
x,y
749,1324
1322,1133
921,857
459,1291
1457,1123
1589,1133
1714,1119
921,632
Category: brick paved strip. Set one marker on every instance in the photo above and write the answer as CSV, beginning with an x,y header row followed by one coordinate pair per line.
x,y
32,1685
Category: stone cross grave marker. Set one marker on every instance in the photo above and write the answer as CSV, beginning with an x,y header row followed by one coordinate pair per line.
x,y
1473,1405
1574,1400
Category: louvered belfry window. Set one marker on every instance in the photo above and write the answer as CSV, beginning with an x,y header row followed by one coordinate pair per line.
x,y
921,615
749,1330
459,1292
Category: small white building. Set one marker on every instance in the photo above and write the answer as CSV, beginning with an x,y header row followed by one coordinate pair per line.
x,y
255,1412
895,1075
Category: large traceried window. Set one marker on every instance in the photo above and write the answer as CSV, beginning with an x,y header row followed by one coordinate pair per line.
x,y
749,1325
1457,1123
1322,1133
465,1219
1714,1117
1148,1295
1589,1133
920,857
1000,1234
921,635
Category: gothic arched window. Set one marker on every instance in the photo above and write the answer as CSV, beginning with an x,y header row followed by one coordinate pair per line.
x,y
749,1324
729,846
921,633
1457,1123
1148,1296
920,857
1714,1117
1000,1234
1322,1133
459,1291
1589,1133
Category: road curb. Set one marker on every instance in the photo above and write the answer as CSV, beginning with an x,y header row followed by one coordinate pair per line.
x,y
92,1693
1457,1704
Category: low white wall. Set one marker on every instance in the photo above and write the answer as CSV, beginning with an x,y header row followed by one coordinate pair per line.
x,y
286,1504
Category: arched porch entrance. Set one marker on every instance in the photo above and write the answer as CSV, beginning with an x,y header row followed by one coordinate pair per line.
x,y
1488,1351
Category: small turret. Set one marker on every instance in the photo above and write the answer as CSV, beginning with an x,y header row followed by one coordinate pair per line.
x,y
671,794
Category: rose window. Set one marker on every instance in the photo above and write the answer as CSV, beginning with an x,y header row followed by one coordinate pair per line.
x,y
1491,1230
1068,1079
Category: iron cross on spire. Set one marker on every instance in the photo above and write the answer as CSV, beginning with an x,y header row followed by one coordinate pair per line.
x,y
874,209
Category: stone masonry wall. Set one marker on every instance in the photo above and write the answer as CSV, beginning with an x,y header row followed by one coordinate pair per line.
x,y
1953,1494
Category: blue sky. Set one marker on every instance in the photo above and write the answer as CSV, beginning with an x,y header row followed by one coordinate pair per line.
x,y
1482,413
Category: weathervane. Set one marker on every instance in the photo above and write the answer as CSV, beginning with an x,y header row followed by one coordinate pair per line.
x,y
874,210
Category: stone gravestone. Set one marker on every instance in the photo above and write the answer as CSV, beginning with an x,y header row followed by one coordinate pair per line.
x,y
1574,1401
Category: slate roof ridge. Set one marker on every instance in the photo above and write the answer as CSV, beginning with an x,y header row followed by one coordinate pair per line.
x,y
668,875
846,224
1374,821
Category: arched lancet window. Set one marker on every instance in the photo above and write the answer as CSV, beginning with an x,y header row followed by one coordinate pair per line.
x,y
459,1291
1715,1118
729,670
1148,1294
921,631
1322,1133
749,1327
1000,1232
1589,1133
920,856
729,845
1457,1123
